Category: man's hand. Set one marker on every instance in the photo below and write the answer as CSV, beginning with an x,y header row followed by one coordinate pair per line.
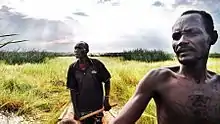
x,y
107,106
76,116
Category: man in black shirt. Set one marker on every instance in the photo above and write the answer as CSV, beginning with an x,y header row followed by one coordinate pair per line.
x,y
84,79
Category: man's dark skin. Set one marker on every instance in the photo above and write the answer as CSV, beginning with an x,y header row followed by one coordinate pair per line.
x,y
81,51
81,54
185,94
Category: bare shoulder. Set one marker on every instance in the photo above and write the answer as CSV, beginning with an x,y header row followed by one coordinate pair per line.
x,y
213,75
157,76
162,73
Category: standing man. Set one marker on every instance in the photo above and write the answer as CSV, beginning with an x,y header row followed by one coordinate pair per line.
x,y
185,94
84,79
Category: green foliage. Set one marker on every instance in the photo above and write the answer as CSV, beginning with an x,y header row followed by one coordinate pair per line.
x,y
139,55
214,55
25,57
39,91
13,85
33,90
147,55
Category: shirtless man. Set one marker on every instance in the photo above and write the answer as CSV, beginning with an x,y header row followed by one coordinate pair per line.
x,y
185,94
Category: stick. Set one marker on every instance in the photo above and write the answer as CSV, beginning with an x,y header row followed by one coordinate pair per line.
x,y
94,113
6,35
10,42
91,114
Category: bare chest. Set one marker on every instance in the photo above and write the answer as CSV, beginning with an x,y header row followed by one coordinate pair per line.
x,y
189,100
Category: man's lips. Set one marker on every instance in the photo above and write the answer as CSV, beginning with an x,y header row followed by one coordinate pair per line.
x,y
184,49
75,54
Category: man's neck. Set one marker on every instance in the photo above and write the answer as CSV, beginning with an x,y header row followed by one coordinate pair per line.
x,y
84,60
197,72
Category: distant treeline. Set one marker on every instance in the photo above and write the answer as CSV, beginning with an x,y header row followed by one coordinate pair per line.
x,y
141,55
14,57
147,55
214,55
35,56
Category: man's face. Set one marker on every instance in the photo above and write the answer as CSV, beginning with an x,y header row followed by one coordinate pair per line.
x,y
80,51
191,42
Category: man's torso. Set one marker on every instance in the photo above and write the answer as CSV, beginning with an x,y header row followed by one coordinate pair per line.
x,y
180,100
90,97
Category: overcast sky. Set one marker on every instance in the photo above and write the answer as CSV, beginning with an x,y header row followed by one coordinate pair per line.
x,y
107,26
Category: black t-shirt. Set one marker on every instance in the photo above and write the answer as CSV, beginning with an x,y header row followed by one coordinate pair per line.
x,y
88,84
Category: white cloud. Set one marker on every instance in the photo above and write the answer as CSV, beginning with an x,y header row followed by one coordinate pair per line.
x,y
49,9
107,25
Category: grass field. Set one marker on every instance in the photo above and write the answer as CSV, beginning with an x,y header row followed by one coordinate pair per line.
x,y
39,89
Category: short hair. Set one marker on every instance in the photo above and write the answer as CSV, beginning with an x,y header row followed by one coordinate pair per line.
x,y
85,45
206,17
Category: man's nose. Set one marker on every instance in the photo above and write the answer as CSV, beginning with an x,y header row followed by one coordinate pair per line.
x,y
76,50
183,40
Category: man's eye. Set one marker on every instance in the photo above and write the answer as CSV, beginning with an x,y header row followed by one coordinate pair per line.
x,y
176,36
192,33
78,48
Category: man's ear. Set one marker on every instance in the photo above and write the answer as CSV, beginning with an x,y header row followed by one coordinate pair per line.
x,y
86,50
214,37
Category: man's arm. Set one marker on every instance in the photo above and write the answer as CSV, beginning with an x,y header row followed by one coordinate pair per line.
x,y
105,77
71,85
73,99
136,105
107,87
107,91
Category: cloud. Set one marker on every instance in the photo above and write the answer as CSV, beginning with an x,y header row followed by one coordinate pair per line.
x,y
111,2
184,2
34,30
158,3
106,26
80,14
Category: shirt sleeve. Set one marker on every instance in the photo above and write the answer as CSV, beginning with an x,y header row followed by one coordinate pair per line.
x,y
104,73
71,81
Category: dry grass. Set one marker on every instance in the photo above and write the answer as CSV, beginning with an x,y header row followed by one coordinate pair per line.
x,y
39,89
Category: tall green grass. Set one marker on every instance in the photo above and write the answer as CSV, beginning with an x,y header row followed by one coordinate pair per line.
x,y
146,55
13,57
214,55
140,55
34,89
38,90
